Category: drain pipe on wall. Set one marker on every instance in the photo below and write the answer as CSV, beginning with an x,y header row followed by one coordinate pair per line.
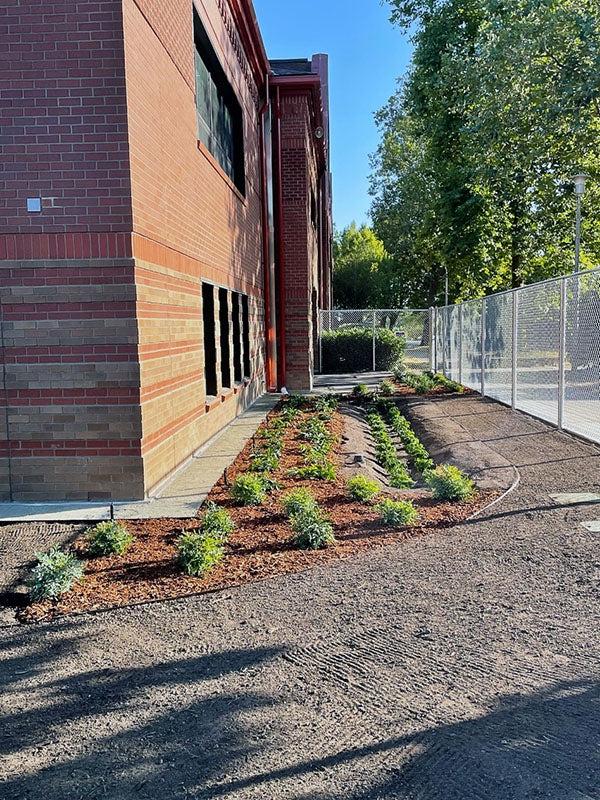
x,y
281,351
269,322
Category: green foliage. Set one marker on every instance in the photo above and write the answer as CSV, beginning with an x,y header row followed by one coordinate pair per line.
x,y
362,489
413,446
249,490
217,522
265,460
446,383
315,431
500,107
297,501
361,390
316,470
54,574
449,483
199,552
312,530
387,455
359,268
398,512
109,538
386,389
351,349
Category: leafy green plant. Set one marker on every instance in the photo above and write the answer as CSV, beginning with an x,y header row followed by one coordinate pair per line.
x,y
249,490
361,390
297,501
199,552
362,489
386,389
217,522
312,530
266,460
54,574
320,471
398,512
109,538
449,483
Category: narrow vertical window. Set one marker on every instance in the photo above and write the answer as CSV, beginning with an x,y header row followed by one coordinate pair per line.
x,y
238,372
246,336
224,338
210,346
219,113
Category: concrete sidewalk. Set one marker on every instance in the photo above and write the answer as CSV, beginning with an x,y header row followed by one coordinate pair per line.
x,y
179,498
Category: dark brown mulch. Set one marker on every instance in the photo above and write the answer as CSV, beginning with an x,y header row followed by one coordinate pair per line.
x,y
259,548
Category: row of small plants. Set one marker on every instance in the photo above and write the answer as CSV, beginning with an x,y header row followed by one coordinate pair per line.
x,y
413,446
446,481
387,454
427,381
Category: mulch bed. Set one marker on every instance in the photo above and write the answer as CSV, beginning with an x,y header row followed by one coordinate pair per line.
x,y
259,548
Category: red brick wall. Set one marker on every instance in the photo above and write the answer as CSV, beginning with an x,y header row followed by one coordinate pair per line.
x,y
190,223
298,170
67,300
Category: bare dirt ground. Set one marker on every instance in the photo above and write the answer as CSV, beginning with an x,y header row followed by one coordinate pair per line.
x,y
456,666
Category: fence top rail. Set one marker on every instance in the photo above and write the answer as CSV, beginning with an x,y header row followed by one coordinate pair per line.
x,y
374,310
556,279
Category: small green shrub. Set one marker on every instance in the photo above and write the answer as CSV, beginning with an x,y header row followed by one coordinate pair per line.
x,y
54,574
398,512
415,449
312,530
386,389
249,490
449,483
108,539
265,460
217,522
361,390
199,552
319,471
351,349
297,501
362,489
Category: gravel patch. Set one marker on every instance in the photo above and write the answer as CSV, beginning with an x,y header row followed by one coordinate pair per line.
x,y
459,665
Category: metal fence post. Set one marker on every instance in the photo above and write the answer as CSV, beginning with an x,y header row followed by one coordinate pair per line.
x,y
483,344
460,342
321,328
374,348
561,352
515,346
432,339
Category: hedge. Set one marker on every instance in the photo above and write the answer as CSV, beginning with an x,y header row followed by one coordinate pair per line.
x,y
351,350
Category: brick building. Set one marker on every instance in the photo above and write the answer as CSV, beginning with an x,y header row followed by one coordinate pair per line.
x,y
166,236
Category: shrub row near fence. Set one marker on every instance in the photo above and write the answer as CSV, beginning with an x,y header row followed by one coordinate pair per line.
x,y
415,449
351,350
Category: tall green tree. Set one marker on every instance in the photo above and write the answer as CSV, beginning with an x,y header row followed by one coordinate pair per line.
x,y
359,270
500,107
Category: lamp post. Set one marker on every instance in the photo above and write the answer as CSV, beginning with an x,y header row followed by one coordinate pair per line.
x,y
579,183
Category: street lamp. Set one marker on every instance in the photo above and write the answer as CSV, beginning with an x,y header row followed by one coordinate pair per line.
x,y
579,183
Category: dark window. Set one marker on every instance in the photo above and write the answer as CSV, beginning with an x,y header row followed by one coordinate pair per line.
x,y
237,338
225,349
246,336
210,347
220,124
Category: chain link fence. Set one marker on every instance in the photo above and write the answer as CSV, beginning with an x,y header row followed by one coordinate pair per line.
x,y
536,349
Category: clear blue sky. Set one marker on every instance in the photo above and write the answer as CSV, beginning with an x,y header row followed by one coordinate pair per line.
x,y
366,56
